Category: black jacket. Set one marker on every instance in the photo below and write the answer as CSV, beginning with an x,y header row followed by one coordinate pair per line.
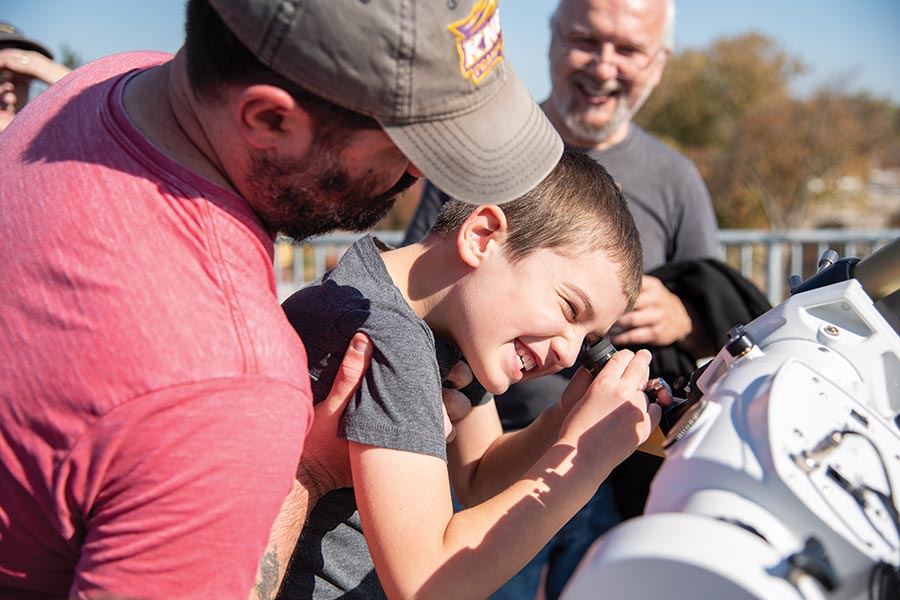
x,y
717,296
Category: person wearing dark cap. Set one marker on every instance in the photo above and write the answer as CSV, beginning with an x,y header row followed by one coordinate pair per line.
x,y
154,399
22,61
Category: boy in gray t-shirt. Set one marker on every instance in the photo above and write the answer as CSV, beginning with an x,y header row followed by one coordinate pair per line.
x,y
516,291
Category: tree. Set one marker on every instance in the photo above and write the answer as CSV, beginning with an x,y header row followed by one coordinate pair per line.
x,y
705,92
767,157
787,156
69,57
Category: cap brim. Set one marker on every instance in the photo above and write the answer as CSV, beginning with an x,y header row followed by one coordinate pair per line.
x,y
490,155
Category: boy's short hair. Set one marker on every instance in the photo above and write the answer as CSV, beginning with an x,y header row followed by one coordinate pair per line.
x,y
578,207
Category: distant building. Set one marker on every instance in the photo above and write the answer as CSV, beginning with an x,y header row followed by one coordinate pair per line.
x,y
856,204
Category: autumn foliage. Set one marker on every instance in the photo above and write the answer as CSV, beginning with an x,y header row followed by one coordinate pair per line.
x,y
768,155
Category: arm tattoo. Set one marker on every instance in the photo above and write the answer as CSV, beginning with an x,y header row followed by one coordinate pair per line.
x,y
266,585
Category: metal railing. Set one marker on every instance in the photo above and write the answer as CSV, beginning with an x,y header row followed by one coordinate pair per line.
x,y
767,258
297,264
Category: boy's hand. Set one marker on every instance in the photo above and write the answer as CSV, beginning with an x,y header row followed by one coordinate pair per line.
x,y
610,415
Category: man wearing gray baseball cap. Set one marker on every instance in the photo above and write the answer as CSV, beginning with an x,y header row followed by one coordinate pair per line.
x,y
433,74
154,400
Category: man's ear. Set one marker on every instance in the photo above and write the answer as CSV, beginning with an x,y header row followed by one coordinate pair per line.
x,y
269,117
659,67
482,232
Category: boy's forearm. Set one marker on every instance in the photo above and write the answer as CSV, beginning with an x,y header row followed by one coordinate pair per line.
x,y
423,549
512,454
496,538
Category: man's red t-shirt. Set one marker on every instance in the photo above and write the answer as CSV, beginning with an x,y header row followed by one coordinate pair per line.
x,y
153,397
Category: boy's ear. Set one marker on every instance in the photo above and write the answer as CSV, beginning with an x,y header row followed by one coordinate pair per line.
x,y
269,117
483,231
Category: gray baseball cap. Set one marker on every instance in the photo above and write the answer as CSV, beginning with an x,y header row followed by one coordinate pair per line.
x,y
433,73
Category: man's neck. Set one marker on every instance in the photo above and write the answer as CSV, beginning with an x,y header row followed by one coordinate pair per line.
x,y
160,103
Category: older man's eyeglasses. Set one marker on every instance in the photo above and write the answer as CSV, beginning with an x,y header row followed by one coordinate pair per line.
x,y
586,51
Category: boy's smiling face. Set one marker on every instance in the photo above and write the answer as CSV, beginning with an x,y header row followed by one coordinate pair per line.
x,y
524,319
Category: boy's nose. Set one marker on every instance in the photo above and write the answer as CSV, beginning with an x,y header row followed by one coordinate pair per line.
x,y
567,348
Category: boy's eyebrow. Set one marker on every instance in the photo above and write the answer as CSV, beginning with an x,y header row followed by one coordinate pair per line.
x,y
585,299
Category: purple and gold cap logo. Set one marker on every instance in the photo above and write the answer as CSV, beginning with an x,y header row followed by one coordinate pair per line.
x,y
479,40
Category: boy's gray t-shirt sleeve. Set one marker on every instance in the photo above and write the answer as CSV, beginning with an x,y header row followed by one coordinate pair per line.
x,y
667,197
398,405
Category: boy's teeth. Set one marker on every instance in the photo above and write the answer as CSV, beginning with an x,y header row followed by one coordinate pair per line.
x,y
525,358
527,363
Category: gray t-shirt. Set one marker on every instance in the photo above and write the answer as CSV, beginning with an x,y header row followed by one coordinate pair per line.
x,y
398,406
667,197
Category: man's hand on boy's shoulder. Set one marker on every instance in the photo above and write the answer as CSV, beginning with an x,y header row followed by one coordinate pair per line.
x,y
325,464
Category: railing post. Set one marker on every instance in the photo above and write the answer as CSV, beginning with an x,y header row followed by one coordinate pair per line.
x,y
775,271
747,259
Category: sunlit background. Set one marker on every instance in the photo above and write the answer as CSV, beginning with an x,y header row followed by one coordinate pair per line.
x,y
791,109
856,43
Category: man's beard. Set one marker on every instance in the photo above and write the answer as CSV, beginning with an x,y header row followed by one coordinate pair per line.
x,y
314,195
576,121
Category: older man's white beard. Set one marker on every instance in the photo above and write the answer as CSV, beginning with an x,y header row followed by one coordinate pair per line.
x,y
595,135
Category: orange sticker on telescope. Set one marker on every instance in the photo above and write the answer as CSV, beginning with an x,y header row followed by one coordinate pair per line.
x,y
479,40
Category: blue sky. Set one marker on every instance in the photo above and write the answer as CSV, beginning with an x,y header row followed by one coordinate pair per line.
x,y
850,43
